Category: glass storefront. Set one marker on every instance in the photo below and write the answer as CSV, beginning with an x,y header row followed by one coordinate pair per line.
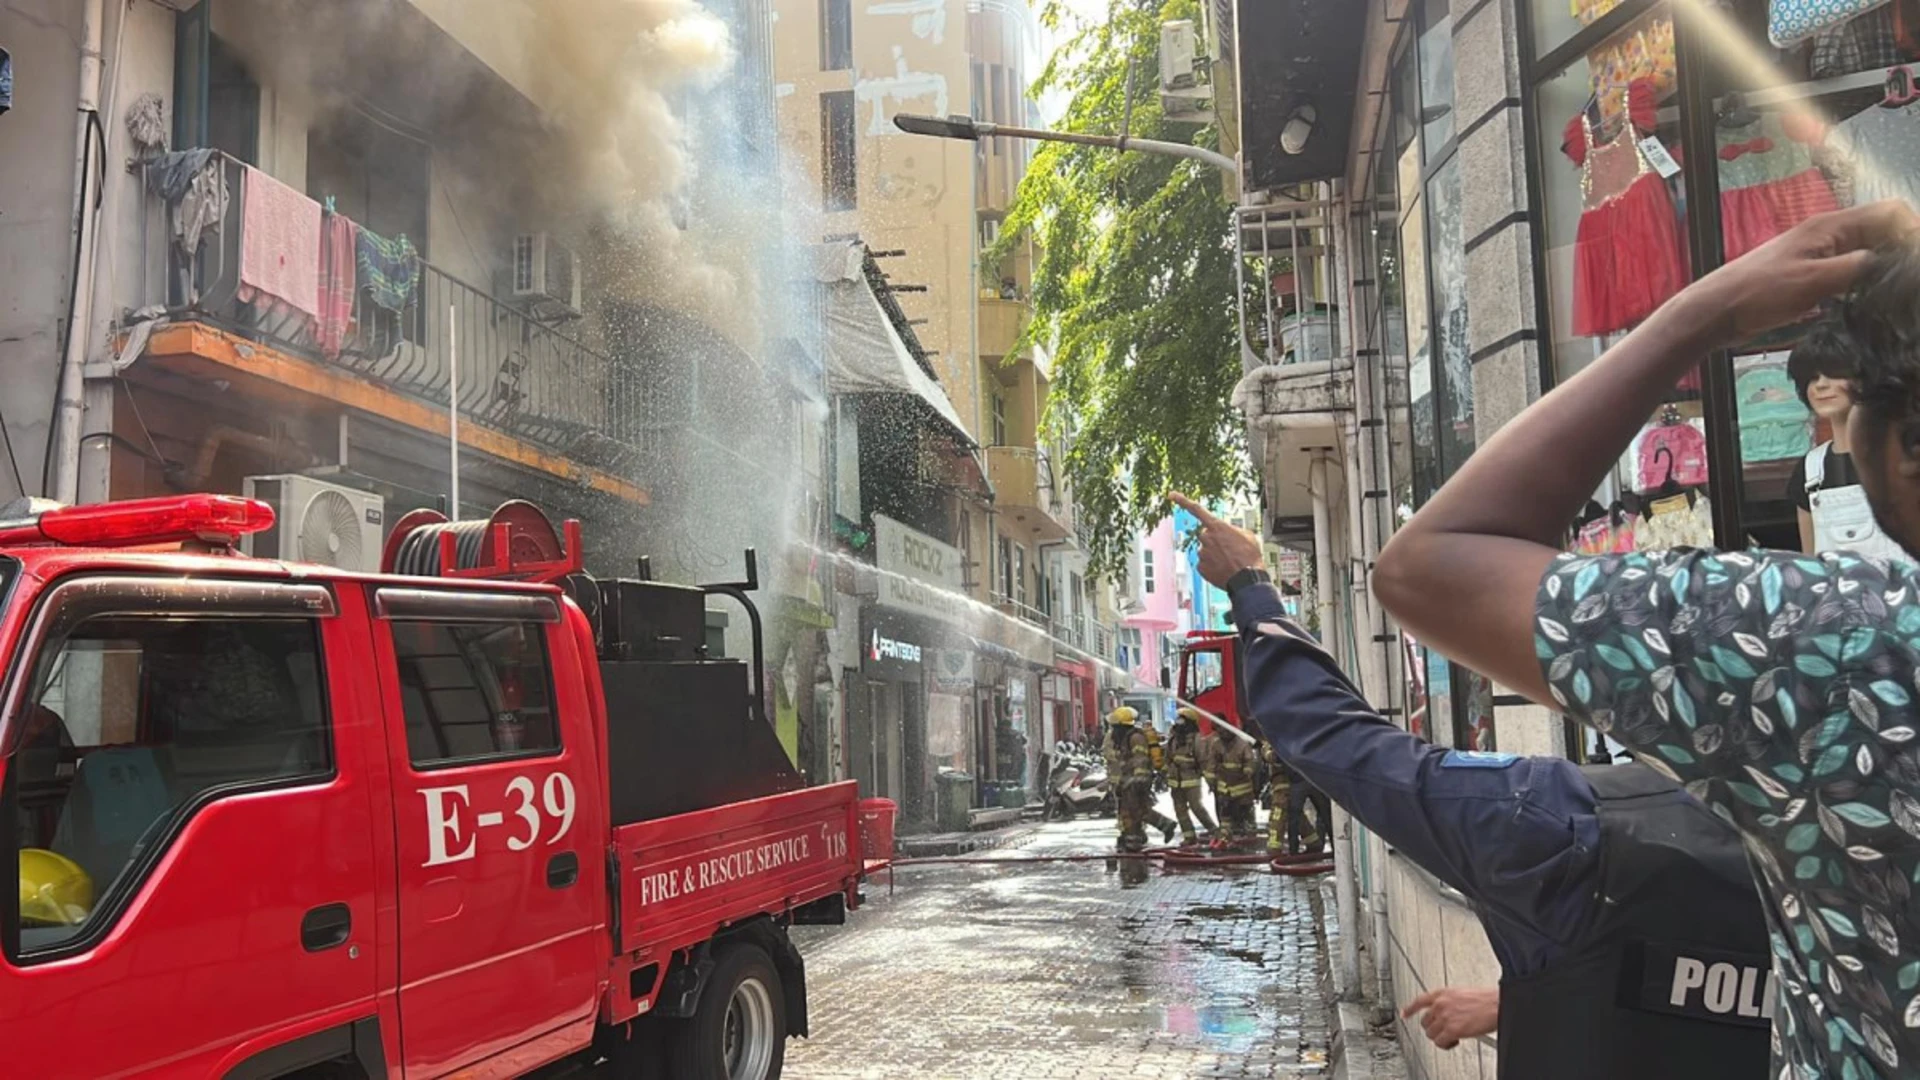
x,y
1416,333
1667,139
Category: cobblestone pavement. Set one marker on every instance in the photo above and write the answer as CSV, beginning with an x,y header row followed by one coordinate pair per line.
x,y
1062,971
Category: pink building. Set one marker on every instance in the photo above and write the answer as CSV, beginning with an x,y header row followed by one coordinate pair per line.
x,y
1155,576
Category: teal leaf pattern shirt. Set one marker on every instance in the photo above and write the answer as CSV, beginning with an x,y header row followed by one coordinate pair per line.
x,y
1781,690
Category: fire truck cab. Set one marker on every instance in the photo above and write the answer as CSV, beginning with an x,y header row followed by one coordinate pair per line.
x,y
1210,677
277,820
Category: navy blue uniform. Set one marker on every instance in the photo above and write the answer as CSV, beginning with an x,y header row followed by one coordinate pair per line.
x,y
1518,836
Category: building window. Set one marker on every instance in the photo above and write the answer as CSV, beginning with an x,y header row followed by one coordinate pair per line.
x,y
836,35
999,407
474,691
839,182
1020,575
1006,568
1146,571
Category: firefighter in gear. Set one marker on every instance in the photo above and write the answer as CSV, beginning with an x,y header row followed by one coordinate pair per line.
x,y
1209,754
1184,771
1606,892
1235,798
1129,754
1289,829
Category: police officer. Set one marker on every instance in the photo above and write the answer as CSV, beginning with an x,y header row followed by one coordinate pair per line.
x,y
1629,933
1184,772
1129,757
1234,797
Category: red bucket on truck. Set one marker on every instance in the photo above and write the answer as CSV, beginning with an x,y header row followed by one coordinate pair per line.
x,y
876,831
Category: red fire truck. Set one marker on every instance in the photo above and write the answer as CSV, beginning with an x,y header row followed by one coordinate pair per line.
x,y
476,815
1210,677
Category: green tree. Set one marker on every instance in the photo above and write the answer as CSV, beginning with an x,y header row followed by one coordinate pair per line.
x,y
1133,289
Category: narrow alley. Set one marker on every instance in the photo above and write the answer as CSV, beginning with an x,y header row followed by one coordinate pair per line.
x,y
1061,970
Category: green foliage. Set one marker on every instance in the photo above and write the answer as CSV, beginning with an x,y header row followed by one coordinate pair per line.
x,y
1133,289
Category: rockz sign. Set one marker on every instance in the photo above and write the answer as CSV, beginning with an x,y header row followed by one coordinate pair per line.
x,y
918,573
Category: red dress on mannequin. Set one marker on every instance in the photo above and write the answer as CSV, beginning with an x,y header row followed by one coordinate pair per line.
x,y
1628,256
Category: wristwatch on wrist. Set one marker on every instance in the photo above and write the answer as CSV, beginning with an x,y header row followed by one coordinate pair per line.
x,y
1250,576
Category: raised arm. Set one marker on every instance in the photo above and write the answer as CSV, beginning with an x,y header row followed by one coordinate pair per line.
x,y
1463,574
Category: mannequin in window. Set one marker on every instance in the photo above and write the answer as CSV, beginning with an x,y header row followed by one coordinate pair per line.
x,y
1825,486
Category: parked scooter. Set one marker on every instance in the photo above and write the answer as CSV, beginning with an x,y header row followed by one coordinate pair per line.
x,y
1076,784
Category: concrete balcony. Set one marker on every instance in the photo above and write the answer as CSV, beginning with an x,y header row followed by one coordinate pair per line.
x,y
1027,494
1001,322
530,392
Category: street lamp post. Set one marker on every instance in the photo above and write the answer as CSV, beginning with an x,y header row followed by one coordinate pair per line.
x,y
967,129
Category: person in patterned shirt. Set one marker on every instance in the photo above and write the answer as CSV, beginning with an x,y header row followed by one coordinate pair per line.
x,y
1781,688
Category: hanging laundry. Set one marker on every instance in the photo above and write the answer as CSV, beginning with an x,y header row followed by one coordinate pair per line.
x,y
193,183
389,270
338,259
279,246
1627,257
6,80
1768,181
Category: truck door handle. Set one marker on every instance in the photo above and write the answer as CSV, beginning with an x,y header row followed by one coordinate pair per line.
x,y
563,870
326,927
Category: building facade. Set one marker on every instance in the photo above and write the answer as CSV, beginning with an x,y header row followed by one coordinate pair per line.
x,y
248,264
1017,643
1429,200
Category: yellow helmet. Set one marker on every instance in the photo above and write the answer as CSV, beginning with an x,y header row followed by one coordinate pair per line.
x,y
1125,714
54,891
1188,712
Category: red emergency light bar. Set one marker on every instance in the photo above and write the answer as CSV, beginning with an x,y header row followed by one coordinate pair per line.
x,y
213,519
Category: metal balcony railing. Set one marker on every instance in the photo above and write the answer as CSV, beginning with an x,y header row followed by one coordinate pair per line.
x,y
1286,271
517,373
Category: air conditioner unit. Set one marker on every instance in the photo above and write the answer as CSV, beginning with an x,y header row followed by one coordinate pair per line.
x,y
1179,48
545,271
317,522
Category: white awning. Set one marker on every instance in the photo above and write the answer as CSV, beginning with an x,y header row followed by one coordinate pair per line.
x,y
864,353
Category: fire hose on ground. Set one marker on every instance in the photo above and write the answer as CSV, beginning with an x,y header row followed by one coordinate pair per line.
x,y
1301,865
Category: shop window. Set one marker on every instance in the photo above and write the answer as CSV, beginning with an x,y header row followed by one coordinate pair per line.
x,y
1556,21
1840,132
474,691
1436,78
1615,243
135,725
1453,368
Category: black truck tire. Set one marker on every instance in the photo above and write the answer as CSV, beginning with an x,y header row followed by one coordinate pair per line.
x,y
739,1029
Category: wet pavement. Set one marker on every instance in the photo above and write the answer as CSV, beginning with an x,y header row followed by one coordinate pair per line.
x,y
1062,971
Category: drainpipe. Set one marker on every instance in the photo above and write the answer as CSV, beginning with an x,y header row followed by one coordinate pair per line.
x,y
69,404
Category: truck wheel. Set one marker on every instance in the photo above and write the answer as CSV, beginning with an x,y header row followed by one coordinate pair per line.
x,y
739,1029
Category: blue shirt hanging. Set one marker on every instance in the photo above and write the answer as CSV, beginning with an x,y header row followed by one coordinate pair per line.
x,y
6,80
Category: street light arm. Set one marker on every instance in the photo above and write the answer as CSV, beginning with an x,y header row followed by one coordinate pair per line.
x,y
966,128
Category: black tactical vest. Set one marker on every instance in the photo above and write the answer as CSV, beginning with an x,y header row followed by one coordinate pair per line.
x,y
1671,980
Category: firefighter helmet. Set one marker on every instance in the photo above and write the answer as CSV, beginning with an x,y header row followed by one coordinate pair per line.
x,y
1125,714
54,891
1189,714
